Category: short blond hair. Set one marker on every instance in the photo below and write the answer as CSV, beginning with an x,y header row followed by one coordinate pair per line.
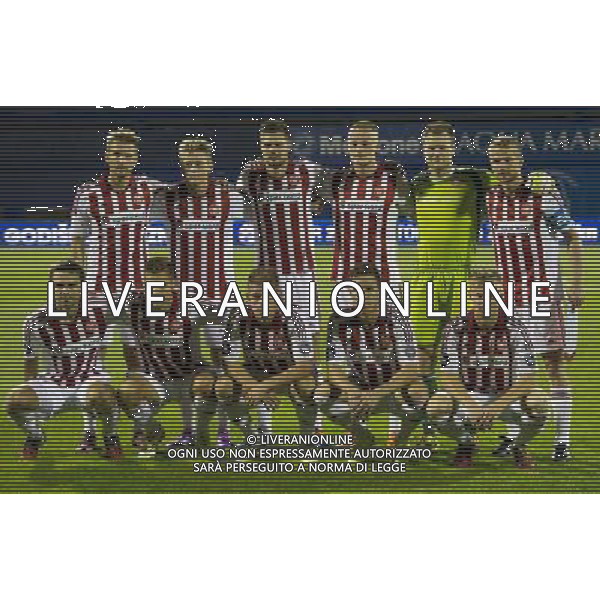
x,y
505,141
122,136
438,128
366,125
195,144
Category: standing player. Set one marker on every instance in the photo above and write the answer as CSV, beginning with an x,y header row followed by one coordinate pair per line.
x,y
109,219
372,362
529,220
264,357
487,374
447,202
366,196
163,356
200,212
110,215
280,193
63,367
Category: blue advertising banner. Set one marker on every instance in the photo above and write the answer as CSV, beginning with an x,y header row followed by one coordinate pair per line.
x,y
57,234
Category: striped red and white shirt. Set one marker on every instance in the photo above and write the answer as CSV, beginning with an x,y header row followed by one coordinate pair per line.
x,y
201,233
371,353
68,351
267,347
365,215
488,360
169,346
282,214
526,232
114,223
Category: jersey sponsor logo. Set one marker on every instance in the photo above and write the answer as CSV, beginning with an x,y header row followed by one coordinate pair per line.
x,y
361,205
163,340
78,347
126,216
518,227
200,224
484,360
281,197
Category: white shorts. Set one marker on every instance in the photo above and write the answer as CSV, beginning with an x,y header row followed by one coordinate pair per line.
x,y
556,332
214,326
54,398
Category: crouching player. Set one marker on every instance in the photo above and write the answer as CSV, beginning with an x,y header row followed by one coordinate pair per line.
x,y
264,358
63,367
372,362
487,374
162,356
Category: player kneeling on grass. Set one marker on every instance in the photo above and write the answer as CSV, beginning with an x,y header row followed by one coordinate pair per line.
x,y
372,362
162,357
63,367
487,374
264,357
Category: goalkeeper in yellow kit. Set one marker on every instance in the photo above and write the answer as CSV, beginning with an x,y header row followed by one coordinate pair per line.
x,y
447,202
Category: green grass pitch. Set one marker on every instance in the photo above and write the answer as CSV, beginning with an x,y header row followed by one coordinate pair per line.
x,y
61,469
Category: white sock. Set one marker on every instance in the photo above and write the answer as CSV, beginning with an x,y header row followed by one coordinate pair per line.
x,y
89,422
561,406
394,424
319,421
512,430
265,419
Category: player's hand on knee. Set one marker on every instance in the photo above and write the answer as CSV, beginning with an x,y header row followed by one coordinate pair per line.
x,y
482,416
364,406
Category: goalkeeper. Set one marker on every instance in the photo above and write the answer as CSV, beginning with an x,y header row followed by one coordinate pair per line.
x,y
447,202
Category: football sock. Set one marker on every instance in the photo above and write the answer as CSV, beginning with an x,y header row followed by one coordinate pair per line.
x,y
265,419
561,405
512,430
89,422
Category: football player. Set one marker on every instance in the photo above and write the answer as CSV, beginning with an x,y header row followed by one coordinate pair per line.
x,y
110,215
265,357
200,212
447,203
529,219
372,361
162,356
64,368
366,197
487,374
281,192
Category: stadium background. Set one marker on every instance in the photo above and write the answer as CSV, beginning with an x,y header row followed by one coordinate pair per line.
x,y
45,153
